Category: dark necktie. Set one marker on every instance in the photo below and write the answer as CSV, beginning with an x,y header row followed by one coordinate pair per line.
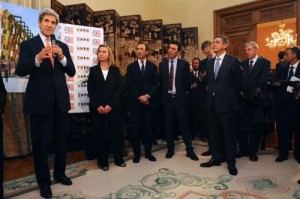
x,y
251,65
171,76
291,72
143,68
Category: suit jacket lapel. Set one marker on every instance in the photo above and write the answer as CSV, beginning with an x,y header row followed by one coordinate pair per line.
x,y
212,66
38,42
224,63
297,73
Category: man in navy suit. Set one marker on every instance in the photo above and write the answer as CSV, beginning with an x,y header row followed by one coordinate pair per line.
x,y
253,101
174,77
142,83
225,80
47,99
287,108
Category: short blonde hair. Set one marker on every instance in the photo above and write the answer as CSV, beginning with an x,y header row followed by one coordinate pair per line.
x,y
111,59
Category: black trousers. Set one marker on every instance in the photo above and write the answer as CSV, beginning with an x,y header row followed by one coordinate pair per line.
x,y
222,134
288,127
249,140
142,121
107,131
175,110
47,129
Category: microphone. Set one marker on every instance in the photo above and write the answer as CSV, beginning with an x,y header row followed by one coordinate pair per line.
x,y
53,42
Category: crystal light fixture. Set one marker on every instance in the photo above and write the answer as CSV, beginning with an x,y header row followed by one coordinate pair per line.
x,y
282,38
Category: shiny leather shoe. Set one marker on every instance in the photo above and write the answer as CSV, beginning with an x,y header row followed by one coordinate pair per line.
x,y
169,154
210,163
150,157
232,170
253,158
63,180
106,168
136,159
46,192
121,164
192,155
298,181
206,153
280,159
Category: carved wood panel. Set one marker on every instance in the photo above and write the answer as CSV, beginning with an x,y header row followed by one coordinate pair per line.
x,y
239,22
237,39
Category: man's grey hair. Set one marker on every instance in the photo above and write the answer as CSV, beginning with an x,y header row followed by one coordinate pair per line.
x,y
251,43
48,11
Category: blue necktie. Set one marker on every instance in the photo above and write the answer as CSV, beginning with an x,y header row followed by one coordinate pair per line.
x,y
217,67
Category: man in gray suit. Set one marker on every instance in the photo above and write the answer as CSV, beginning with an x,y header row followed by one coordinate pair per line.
x,y
225,80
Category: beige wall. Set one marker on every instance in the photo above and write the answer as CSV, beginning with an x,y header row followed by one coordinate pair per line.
x,y
190,13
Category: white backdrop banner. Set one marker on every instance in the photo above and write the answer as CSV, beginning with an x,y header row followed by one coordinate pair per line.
x,y
83,44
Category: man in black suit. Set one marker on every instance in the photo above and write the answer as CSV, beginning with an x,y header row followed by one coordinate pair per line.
x,y
225,79
3,94
174,77
142,83
207,50
47,99
253,100
287,108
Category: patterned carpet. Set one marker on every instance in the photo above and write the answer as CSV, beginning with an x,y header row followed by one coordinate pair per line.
x,y
179,178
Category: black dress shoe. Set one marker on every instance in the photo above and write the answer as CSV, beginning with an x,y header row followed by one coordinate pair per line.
x,y
150,157
106,168
192,155
280,159
136,159
63,180
206,153
232,170
253,158
46,192
169,154
298,181
210,163
121,164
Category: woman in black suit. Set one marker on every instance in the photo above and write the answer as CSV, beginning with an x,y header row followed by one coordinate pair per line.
x,y
104,89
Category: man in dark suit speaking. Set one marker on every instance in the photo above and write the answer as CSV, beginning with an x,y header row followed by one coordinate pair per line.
x,y
47,99
225,80
174,77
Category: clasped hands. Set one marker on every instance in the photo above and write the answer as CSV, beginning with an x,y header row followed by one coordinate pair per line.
x,y
104,110
47,51
144,99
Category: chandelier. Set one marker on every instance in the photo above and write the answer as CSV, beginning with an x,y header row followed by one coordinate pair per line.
x,y
282,38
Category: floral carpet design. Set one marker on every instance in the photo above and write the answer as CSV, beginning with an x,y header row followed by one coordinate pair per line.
x,y
179,178
162,184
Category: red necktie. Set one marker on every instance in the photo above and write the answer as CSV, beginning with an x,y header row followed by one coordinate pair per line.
x,y
50,55
171,77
